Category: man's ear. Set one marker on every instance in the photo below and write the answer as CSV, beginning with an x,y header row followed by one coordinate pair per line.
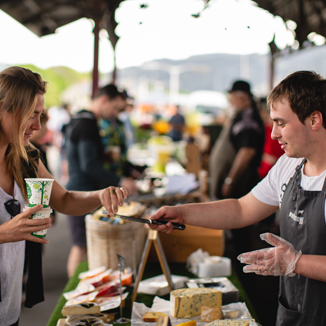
x,y
103,98
316,120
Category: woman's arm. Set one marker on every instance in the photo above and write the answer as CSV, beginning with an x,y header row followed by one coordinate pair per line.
x,y
82,202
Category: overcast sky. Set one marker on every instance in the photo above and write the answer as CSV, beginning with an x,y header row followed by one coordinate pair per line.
x,y
165,29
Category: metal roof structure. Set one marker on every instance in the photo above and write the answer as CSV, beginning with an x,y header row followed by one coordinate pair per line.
x,y
309,15
43,17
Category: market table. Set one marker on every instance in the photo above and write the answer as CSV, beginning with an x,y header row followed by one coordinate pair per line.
x,y
151,269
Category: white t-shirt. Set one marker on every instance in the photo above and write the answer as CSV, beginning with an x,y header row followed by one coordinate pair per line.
x,y
11,266
269,190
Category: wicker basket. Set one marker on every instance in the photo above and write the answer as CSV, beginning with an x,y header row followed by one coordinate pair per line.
x,y
105,241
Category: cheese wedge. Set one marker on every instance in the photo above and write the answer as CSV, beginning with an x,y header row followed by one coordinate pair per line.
x,y
231,314
188,302
86,308
209,314
226,322
152,316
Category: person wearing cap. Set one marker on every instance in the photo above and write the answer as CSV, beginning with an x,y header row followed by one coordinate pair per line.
x,y
247,135
85,155
236,155
234,162
296,187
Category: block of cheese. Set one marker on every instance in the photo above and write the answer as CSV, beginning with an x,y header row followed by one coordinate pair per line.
x,y
230,322
188,302
209,314
85,308
152,316
188,323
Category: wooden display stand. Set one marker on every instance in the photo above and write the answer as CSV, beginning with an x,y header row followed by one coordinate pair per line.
x,y
154,239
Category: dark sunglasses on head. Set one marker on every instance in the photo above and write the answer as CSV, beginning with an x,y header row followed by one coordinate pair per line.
x,y
13,207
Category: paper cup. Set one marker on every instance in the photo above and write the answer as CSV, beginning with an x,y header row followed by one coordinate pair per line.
x,y
39,191
42,213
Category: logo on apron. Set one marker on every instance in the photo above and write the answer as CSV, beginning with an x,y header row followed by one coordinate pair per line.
x,y
298,219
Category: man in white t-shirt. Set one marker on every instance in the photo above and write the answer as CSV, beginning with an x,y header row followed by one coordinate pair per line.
x,y
295,185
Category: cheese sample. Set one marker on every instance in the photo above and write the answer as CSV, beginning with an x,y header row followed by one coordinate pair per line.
x,y
152,316
209,314
226,322
231,314
188,302
86,308
188,323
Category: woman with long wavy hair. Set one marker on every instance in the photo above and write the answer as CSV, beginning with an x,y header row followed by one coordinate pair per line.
x,y
21,105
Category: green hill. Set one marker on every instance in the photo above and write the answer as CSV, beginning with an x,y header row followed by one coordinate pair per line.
x,y
58,78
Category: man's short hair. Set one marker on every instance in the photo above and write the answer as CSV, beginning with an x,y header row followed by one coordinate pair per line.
x,y
112,91
305,91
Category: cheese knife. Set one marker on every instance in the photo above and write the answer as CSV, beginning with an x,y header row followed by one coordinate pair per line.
x,y
177,226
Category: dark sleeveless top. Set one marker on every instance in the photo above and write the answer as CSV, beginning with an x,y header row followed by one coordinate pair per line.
x,y
33,252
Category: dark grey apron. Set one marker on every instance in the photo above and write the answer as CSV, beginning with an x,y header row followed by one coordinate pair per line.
x,y
302,301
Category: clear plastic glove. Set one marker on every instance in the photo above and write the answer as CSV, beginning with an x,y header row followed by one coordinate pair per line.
x,y
276,261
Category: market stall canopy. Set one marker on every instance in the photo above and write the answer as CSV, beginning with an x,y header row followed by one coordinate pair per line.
x,y
309,15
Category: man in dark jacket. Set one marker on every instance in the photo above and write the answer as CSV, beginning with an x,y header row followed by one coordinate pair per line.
x,y
85,156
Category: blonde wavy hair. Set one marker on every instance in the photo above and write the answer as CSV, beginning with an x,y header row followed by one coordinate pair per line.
x,y
18,90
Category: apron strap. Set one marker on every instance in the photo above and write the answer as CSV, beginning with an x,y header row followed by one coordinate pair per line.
x,y
297,179
324,185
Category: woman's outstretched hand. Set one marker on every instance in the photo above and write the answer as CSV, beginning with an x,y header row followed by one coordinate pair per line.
x,y
112,197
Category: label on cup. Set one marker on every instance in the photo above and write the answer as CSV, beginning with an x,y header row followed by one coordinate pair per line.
x,y
42,213
39,191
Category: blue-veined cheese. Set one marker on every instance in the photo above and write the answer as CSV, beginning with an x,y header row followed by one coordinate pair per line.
x,y
188,302
226,322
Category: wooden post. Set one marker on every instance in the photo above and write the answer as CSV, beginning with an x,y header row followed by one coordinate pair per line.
x,y
96,32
